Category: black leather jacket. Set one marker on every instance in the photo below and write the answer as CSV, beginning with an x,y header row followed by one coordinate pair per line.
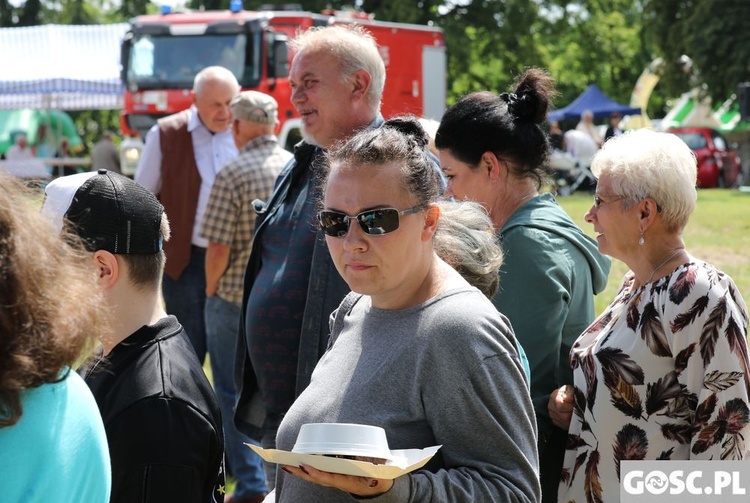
x,y
162,420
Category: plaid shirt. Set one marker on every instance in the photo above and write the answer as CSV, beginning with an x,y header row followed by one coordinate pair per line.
x,y
230,218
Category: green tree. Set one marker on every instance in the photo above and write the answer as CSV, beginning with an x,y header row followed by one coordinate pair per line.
x,y
91,124
6,13
715,34
76,12
489,44
422,12
31,13
130,8
594,41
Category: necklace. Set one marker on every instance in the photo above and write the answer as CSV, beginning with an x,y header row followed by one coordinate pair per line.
x,y
673,255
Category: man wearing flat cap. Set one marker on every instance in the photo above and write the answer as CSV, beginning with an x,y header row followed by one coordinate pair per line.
x,y
229,225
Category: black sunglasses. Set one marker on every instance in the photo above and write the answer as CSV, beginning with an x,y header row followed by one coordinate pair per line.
x,y
374,222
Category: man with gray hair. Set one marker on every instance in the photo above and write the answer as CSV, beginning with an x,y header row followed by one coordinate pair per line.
x,y
291,285
228,225
182,156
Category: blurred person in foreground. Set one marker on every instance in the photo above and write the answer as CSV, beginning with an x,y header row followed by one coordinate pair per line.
x,y
493,150
662,373
52,441
161,417
411,318
182,155
291,285
229,224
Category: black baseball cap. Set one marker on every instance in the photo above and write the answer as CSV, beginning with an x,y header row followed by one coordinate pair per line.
x,y
108,211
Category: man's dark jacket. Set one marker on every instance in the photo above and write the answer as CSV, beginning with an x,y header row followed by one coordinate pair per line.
x,y
161,417
325,292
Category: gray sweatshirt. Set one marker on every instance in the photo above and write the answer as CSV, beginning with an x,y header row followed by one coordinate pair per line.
x,y
445,372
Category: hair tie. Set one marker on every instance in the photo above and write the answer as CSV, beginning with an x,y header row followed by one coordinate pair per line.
x,y
509,98
520,107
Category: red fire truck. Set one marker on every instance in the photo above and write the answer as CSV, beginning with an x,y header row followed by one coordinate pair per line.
x,y
162,53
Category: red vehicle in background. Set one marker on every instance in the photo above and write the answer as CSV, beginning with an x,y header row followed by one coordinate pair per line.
x,y
162,53
718,164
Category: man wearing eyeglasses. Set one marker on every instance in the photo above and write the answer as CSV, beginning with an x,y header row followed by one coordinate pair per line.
x,y
228,225
291,285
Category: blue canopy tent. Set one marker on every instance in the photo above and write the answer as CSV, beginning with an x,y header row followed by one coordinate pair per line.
x,y
595,100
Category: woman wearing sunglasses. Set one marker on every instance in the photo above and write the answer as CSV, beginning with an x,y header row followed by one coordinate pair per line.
x,y
414,348
494,150
663,372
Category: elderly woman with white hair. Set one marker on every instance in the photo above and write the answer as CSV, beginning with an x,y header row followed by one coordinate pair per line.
x,y
663,373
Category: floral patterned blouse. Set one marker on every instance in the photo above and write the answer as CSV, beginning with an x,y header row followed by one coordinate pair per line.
x,y
662,374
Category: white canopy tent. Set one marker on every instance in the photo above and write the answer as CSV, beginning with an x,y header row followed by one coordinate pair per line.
x,y
61,67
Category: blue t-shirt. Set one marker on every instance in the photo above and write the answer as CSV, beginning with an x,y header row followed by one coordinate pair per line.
x,y
58,449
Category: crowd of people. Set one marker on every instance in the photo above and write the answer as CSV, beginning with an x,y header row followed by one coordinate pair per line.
x,y
104,154
381,275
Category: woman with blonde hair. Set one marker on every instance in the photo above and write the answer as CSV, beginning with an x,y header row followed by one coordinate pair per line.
x,y
663,373
52,438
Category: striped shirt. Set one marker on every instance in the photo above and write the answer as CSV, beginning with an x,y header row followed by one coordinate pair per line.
x,y
230,218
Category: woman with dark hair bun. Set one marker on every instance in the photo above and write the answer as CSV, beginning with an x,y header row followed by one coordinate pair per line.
x,y
415,349
494,150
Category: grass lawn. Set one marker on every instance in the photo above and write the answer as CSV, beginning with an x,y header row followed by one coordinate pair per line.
x,y
718,232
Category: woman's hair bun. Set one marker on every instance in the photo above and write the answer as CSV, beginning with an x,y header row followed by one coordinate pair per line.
x,y
533,93
409,126
520,106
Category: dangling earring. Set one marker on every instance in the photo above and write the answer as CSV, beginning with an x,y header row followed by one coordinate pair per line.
x,y
642,240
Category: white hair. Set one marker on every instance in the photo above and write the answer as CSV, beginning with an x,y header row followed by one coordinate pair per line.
x,y
466,240
214,74
644,163
355,49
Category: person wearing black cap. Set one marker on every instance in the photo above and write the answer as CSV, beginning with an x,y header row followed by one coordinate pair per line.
x,y
160,414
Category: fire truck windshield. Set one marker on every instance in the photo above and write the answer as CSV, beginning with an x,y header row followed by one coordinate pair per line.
x,y
171,62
